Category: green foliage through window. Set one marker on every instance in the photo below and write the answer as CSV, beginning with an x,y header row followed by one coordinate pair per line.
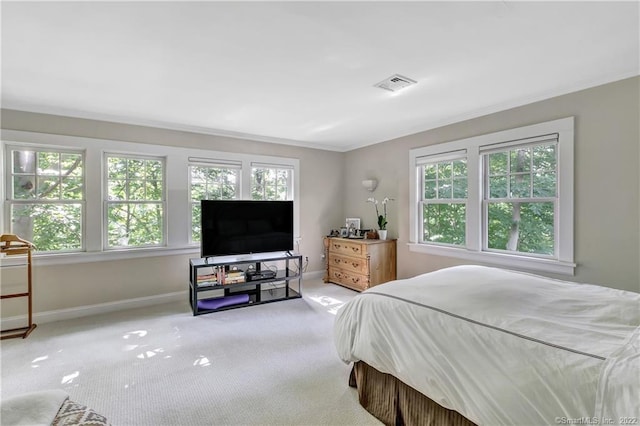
x,y
444,202
135,201
47,198
210,183
270,184
521,199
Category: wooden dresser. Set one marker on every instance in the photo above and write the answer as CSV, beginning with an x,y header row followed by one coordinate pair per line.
x,y
359,264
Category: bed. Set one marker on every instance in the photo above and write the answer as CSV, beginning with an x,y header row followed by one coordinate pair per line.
x,y
478,345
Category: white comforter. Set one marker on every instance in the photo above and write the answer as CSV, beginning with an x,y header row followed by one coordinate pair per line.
x,y
501,347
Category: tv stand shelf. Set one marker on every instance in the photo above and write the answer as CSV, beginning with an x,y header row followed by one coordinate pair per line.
x,y
205,279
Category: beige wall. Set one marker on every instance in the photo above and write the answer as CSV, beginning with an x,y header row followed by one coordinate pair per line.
x,y
607,200
607,188
69,286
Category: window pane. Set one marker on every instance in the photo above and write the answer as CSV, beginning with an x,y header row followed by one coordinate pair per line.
x,y
53,178
134,224
51,227
460,187
135,168
498,163
116,168
48,188
520,186
498,187
154,190
71,164
136,190
24,162
520,160
49,163
72,188
24,187
544,157
196,226
430,171
544,184
444,190
444,223
445,180
521,227
430,190
270,184
135,204
210,183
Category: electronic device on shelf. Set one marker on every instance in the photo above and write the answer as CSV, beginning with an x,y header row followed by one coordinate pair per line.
x,y
260,275
240,227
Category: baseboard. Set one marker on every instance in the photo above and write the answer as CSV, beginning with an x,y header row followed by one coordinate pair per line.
x,y
84,311
313,275
103,308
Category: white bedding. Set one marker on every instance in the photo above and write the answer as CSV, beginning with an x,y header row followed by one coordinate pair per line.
x,y
501,347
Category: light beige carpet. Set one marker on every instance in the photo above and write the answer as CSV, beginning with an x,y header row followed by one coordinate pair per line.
x,y
273,364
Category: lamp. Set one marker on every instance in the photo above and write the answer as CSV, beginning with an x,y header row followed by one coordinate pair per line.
x,y
370,184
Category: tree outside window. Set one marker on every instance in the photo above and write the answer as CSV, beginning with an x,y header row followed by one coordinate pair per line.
x,y
210,183
271,183
47,198
520,199
444,199
135,201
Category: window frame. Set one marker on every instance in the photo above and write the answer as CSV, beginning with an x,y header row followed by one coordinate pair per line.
x,y
107,202
177,190
475,250
211,164
436,160
7,189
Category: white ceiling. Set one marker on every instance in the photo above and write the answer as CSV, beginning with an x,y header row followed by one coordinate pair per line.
x,y
303,72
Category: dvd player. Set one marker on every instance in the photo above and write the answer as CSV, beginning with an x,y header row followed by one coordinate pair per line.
x,y
260,275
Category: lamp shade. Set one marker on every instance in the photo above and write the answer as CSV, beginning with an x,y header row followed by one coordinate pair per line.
x,y
369,184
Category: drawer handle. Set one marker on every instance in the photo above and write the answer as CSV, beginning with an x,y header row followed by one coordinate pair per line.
x,y
337,246
355,280
355,264
355,249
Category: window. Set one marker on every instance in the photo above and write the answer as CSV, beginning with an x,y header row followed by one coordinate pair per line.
x,y
211,182
271,182
504,198
444,200
46,197
520,199
86,200
135,201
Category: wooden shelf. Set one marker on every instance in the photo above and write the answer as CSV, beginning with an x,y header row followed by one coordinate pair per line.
x,y
12,245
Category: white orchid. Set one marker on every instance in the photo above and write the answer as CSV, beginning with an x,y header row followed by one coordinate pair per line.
x,y
382,218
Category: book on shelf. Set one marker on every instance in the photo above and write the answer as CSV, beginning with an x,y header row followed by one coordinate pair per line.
x,y
207,276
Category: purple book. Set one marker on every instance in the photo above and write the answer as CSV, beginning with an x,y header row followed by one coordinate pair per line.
x,y
220,302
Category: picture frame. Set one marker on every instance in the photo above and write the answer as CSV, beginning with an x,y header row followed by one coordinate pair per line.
x,y
353,225
344,232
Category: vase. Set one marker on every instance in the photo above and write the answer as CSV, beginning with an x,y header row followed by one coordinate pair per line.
x,y
382,233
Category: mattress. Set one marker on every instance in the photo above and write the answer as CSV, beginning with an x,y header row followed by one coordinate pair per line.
x,y
502,347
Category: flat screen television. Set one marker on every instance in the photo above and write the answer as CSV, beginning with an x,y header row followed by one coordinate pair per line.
x,y
236,227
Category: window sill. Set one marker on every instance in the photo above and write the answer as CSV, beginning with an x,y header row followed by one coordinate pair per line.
x,y
498,259
110,255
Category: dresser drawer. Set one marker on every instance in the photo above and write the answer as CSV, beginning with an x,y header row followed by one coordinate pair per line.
x,y
349,248
349,279
359,265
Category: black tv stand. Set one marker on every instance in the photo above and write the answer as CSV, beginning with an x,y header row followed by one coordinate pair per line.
x,y
218,278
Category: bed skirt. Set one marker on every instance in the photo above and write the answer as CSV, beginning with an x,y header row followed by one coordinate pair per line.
x,y
394,403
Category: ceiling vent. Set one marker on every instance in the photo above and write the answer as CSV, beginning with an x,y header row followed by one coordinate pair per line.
x,y
395,82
